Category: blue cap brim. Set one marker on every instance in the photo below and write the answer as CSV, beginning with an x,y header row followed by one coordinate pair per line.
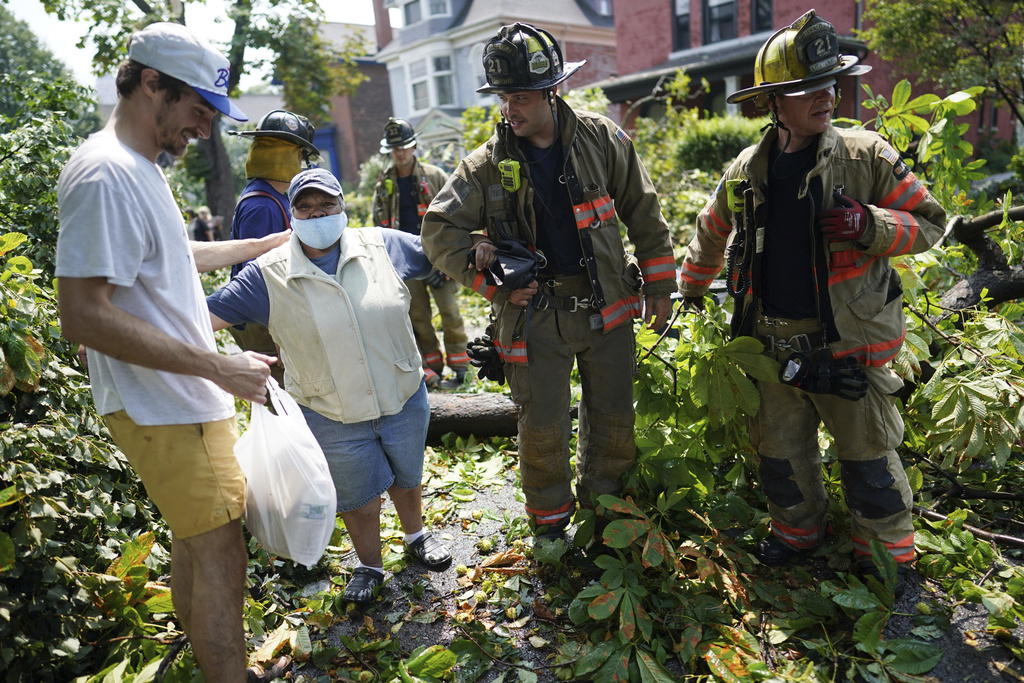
x,y
222,104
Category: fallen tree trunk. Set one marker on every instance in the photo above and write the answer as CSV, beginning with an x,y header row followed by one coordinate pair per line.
x,y
482,415
1002,281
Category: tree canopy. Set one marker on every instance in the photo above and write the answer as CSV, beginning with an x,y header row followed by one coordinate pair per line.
x,y
954,43
22,55
310,68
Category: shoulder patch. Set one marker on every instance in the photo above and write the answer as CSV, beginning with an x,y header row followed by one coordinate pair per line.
x,y
622,136
900,170
453,195
890,155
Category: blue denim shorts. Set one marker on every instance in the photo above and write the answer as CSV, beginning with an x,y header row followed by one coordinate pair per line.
x,y
367,458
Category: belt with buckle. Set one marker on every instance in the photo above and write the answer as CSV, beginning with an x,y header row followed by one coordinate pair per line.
x,y
572,304
802,343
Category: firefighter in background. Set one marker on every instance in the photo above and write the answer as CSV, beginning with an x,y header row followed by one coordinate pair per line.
x,y
807,220
404,189
282,144
558,181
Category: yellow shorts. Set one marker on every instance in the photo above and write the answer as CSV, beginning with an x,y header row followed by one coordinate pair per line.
x,y
189,470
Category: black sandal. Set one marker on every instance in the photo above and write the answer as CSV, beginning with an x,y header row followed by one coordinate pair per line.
x,y
257,674
429,551
361,586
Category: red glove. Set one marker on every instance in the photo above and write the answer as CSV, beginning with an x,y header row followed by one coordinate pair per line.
x,y
847,221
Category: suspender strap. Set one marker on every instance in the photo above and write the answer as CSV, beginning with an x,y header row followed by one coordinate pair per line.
x,y
576,194
261,193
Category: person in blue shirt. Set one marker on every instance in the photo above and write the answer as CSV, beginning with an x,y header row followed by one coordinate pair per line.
x,y
335,302
281,144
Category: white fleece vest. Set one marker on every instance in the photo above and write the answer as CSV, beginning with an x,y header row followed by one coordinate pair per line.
x,y
346,341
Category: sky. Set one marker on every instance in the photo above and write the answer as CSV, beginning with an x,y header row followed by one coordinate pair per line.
x,y
60,37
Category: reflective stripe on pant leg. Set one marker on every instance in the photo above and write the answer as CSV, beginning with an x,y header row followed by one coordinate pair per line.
x,y
606,445
452,326
802,539
785,432
540,388
866,434
420,315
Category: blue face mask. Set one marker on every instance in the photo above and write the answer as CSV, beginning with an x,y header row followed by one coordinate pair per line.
x,y
320,233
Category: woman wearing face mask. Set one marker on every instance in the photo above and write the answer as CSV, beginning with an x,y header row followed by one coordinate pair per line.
x,y
335,304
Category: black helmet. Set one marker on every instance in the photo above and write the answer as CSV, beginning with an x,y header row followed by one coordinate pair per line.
x,y
398,134
285,125
524,57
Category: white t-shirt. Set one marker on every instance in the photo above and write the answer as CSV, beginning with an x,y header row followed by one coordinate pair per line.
x,y
118,220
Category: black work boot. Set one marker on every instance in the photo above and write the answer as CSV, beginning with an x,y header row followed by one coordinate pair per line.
x,y
774,552
549,533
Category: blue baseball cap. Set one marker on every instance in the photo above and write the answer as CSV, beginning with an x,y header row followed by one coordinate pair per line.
x,y
314,179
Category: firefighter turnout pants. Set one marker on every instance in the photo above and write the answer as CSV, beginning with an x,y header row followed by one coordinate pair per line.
x,y
605,448
865,434
452,327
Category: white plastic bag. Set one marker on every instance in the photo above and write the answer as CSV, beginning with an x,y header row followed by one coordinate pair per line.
x,y
290,500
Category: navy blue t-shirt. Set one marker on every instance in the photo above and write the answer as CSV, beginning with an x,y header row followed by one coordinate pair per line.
x,y
787,264
258,216
556,224
408,206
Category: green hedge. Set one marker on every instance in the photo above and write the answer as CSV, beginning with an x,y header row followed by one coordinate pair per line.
x,y
711,144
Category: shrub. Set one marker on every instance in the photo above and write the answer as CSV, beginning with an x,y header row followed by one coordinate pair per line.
x,y
711,144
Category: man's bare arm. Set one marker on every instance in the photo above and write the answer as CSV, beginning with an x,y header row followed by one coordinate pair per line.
x,y
88,316
214,255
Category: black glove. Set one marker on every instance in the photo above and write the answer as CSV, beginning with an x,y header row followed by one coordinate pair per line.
x,y
843,377
693,303
483,354
436,279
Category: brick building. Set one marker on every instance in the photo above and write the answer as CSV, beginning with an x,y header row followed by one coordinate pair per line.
x,y
717,40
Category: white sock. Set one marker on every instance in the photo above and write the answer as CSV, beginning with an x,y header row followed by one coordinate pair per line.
x,y
376,569
412,538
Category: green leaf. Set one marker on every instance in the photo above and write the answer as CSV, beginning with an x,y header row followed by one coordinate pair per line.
x,y
627,616
11,240
10,495
857,598
867,632
913,656
435,660
616,669
603,606
622,533
161,603
651,670
656,549
593,659
7,555
901,94
20,265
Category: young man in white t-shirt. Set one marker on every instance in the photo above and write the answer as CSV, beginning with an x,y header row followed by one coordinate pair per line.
x,y
129,291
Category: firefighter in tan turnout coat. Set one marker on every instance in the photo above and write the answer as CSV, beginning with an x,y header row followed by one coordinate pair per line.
x,y
557,181
404,189
808,220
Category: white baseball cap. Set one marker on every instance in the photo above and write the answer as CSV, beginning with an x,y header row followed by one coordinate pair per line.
x,y
174,50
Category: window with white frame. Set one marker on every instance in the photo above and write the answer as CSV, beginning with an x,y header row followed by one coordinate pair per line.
x,y
444,84
419,84
438,8
432,82
412,12
476,62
